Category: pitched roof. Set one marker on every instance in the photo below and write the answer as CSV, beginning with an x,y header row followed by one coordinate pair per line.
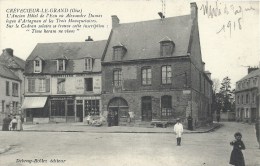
x,y
71,50
7,73
142,38
13,61
251,74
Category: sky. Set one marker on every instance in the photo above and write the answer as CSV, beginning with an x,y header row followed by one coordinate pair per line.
x,y
229,34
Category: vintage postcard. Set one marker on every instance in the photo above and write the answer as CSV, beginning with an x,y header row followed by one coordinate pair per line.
x,y
129,82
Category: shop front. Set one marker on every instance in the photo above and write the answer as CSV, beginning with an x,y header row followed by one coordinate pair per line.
x,y
62,109
87,106
36,109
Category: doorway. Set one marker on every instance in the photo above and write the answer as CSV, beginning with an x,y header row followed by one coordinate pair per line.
x,y
147,108
117,108
79,113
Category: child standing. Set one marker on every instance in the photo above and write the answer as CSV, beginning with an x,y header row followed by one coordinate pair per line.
x,y
237,157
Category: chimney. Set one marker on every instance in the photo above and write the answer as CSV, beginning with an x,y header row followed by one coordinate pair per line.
x,y
89,39
193,10
8,51
115,21
250,69
208,74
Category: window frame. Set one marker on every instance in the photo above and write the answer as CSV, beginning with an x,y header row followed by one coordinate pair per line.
x,y
168,75
166,109
15,89
118,82
7,88
37,66
147,71
59,64
88,64
86,89
61,88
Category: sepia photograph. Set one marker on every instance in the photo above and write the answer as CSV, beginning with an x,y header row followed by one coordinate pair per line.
x,y
129,83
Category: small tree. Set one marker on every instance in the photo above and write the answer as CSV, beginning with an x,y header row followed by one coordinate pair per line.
x,y
224,98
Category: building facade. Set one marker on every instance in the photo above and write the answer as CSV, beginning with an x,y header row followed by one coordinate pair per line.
x,y
153,71
63,82
247,90
11,83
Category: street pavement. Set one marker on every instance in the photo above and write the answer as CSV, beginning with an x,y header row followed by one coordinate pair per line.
x,y
81,127
138,146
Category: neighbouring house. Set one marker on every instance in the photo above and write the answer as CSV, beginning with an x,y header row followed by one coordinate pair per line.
x,y
152,71
11,83
63,81
247,90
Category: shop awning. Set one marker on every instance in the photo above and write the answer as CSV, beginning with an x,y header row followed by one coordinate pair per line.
x,y
34,102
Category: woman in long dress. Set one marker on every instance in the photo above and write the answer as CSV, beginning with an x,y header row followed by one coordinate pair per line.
x,y
19,124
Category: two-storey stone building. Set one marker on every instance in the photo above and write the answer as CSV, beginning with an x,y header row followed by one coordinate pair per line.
x,y
246,93
11,83
153,71
63,81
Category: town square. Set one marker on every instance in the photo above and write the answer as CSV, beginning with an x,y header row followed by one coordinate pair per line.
x,y
130,83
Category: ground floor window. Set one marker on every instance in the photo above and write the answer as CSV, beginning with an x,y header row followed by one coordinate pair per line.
x,y
57,108
70,106
91,107
166,102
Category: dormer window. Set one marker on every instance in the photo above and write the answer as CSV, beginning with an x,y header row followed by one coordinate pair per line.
x,y
37,66
88,64
167,47
119,52
60,65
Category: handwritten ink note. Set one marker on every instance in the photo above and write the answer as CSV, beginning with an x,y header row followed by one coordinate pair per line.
x,y
52,20
233,15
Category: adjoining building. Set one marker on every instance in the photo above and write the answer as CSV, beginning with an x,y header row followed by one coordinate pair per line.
x,y
63,81
153,71
247,89
11,83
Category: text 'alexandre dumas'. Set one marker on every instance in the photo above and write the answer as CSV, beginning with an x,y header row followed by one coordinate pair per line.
x,y
52,20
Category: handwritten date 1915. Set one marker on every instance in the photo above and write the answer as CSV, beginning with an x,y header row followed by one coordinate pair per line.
x,y
231,26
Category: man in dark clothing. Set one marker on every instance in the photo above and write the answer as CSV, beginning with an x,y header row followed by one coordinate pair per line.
x,y
6,123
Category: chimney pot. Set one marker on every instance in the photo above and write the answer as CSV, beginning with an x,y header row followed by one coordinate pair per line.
x,y
9,51
115,21
89,39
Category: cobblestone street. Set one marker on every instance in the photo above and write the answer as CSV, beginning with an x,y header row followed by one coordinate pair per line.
x,y
128,149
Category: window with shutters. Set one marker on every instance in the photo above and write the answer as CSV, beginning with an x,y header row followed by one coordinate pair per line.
x,y
42,85
39,85
15,89
61,85
37,66
7,88
31,85
88,64
60,65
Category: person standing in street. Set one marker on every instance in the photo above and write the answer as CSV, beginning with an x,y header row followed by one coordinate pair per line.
x,y
178,129
19,123
14,124
237,157
6,122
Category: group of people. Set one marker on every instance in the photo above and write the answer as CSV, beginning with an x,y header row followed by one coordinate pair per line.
x,y
236,157
14,123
